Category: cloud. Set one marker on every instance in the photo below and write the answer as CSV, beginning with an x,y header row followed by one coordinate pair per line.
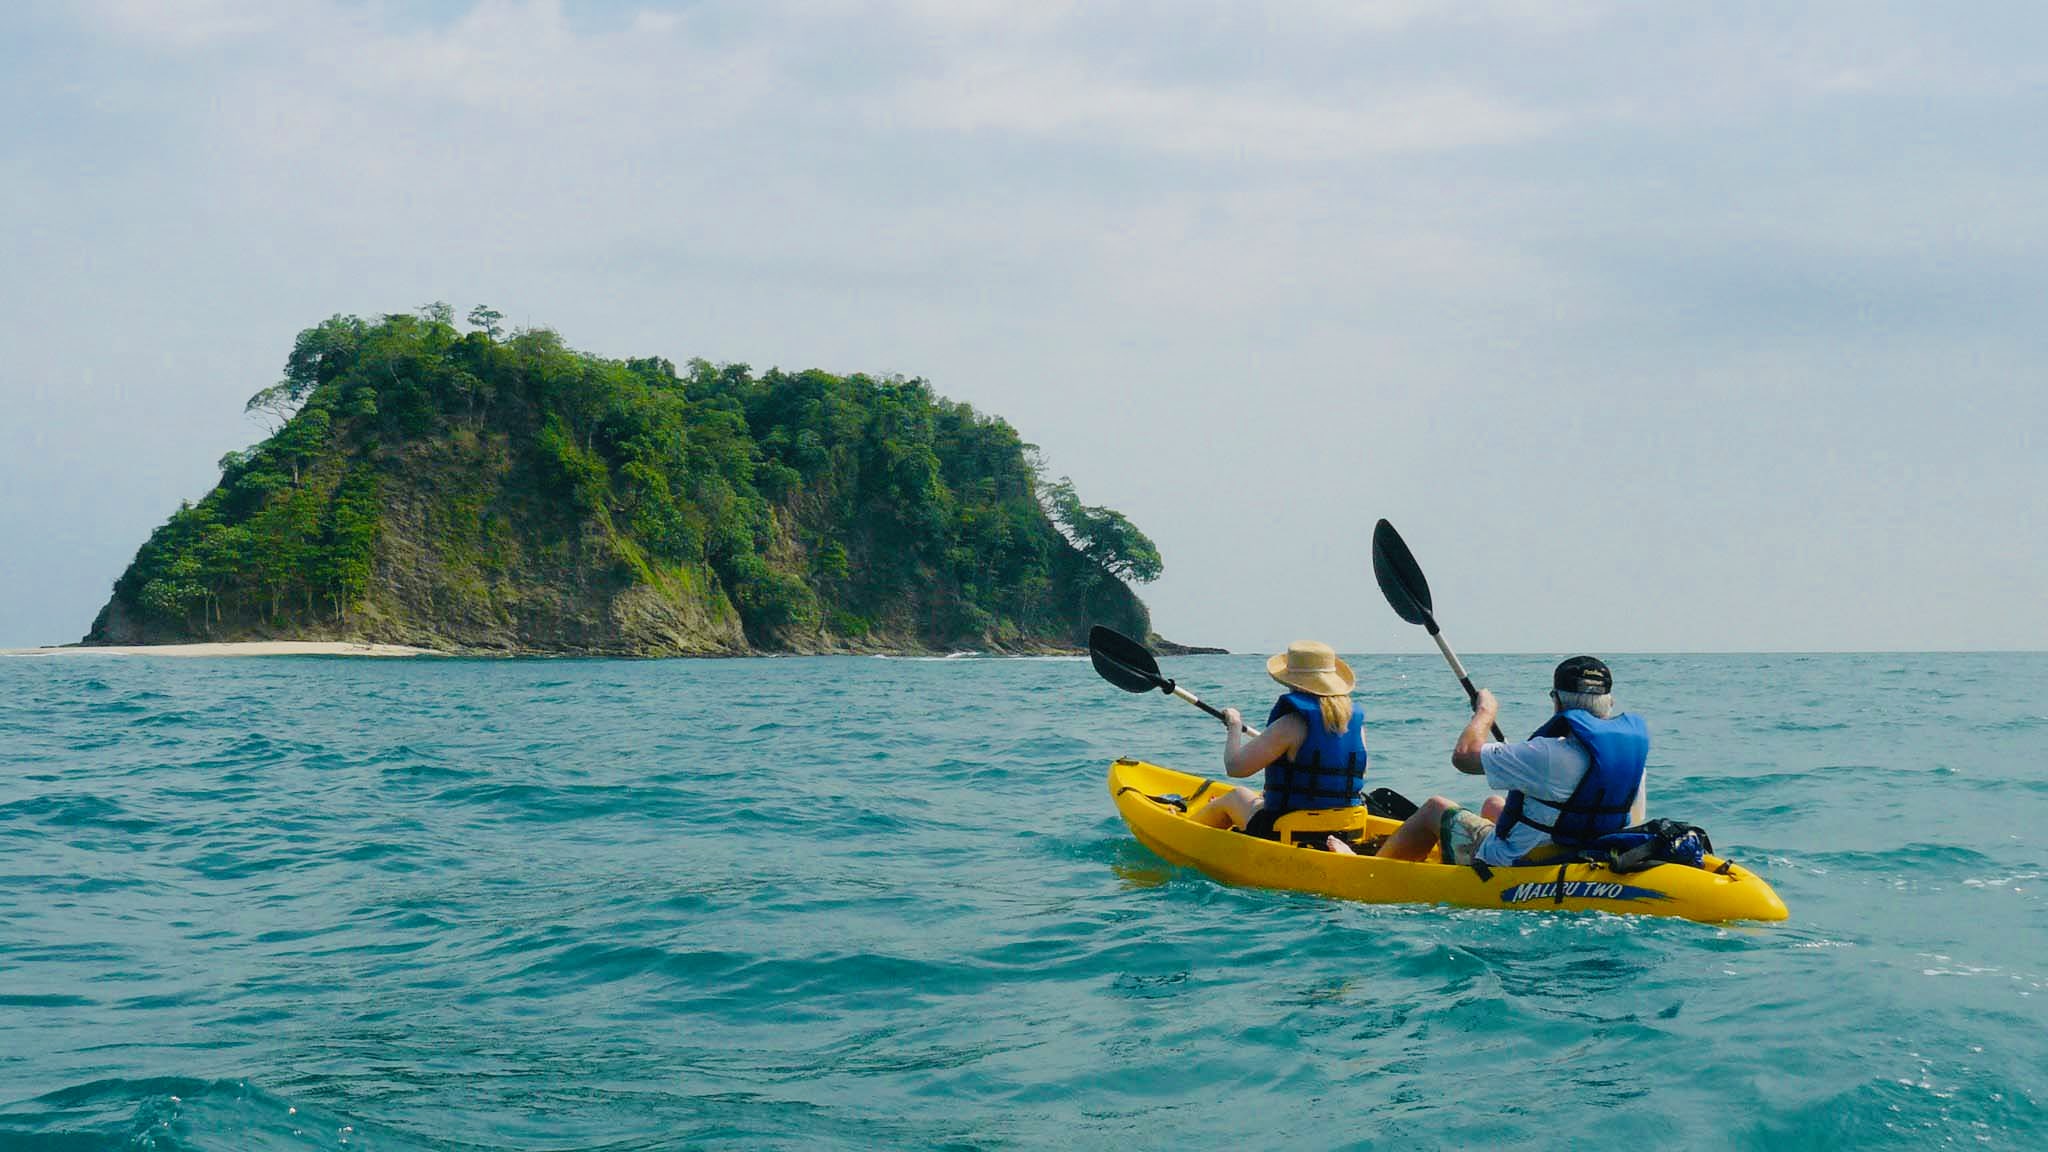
x,y
1036,70
188,25
1247,123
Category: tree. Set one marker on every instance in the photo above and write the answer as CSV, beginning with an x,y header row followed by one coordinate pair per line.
x,y
223,552
485,319
1103,535
301,441
170,597
351,537
275,406
323,353
319,354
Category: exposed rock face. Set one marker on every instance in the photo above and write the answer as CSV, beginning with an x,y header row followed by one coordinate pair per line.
x,y
117,624
463,493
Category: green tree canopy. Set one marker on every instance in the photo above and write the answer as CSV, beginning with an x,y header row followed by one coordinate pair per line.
x,y
805,504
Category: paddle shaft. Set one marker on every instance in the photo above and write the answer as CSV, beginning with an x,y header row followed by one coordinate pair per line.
x,y
1176,690
1172,689
1457,666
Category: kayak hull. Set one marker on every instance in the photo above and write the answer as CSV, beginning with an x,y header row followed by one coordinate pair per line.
x,y
1710,894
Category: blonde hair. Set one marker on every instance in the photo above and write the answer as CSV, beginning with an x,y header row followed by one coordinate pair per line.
x,y
1336,713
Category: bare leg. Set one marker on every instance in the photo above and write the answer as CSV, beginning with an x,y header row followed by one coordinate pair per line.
x,y
1491,810
1417,834
1233,809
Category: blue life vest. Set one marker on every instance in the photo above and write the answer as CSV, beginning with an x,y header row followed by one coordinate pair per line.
x,y
1327,771
1617,749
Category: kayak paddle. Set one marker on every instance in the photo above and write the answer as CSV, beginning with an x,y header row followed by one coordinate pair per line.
x,y
1130,666
1401,579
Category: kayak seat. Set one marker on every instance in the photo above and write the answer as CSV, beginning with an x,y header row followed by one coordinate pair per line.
x,y
1309,826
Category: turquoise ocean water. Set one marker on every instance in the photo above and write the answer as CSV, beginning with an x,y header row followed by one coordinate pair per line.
x,y
860,902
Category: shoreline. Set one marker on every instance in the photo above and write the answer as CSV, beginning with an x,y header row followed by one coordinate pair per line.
x,y
231,649
360,648
234,648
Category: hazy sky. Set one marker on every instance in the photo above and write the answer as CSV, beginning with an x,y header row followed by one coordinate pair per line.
x,y
1652,327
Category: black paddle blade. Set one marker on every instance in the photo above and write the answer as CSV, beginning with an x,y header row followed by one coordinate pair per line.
x,y
1122,661
1389,803
1399,575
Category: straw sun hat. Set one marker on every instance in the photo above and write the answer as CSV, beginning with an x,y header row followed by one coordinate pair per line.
x,y
1312,668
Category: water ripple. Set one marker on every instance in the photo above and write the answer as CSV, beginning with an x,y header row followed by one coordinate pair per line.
x,y
858,903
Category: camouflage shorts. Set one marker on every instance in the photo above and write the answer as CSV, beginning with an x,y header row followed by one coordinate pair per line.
x,y
1462,833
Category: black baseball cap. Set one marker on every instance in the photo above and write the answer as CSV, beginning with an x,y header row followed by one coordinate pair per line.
x,y
1583,674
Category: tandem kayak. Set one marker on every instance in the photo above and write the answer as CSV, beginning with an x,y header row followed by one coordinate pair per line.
x,y
1145,795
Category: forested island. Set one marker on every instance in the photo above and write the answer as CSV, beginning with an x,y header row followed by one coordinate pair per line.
x,y
463,489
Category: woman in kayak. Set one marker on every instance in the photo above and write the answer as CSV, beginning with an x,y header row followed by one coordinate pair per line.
x,y
1312,751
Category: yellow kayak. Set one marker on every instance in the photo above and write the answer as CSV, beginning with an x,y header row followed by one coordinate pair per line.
x,y
1720,891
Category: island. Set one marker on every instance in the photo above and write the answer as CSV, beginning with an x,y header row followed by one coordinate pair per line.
x,y
462,489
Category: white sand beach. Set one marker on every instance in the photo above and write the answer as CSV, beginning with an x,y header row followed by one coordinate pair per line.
x,y
247,648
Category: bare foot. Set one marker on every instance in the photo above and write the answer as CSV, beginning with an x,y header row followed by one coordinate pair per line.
x,y
1338,846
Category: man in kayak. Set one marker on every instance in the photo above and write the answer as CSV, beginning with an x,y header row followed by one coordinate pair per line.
x,y
1579,777
1312,751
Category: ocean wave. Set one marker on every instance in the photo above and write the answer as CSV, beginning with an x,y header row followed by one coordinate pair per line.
x,y
1909,856
184,1114
76,810
1902,1111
